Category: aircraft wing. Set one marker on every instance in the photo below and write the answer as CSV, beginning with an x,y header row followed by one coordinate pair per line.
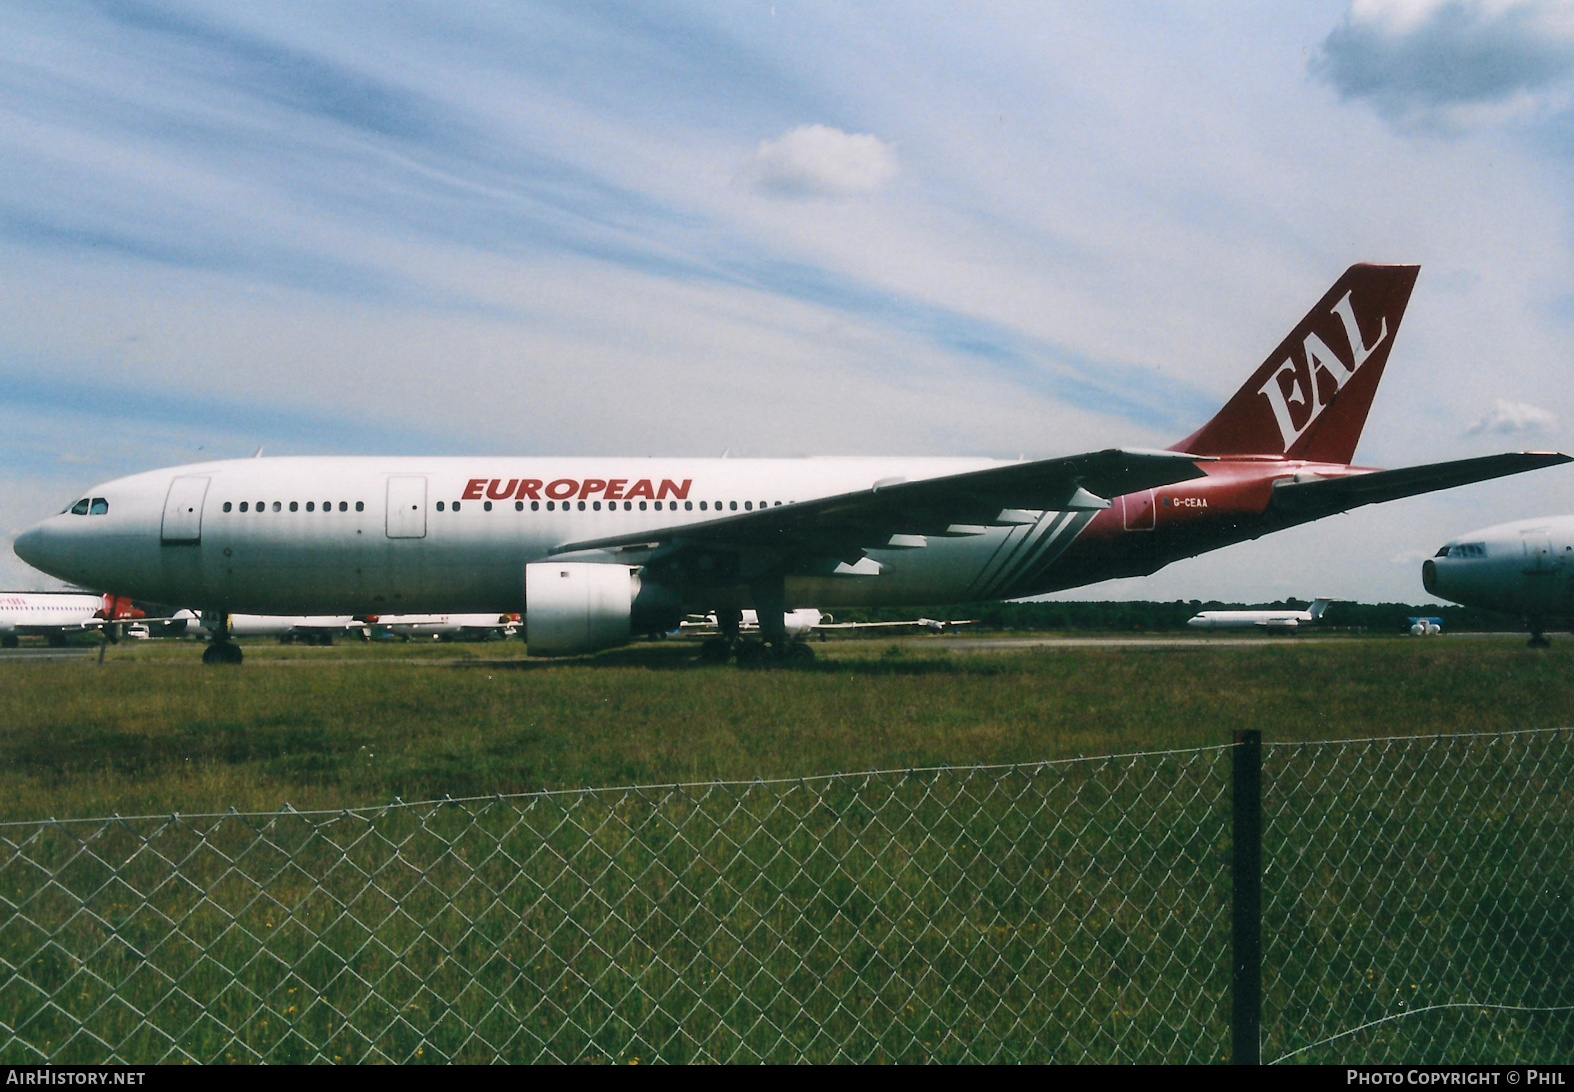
x,y
846,525
1313,500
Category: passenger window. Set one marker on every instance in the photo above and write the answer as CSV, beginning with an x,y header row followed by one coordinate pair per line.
x,y
456,506
262,506
439,506
551,505
277,506
311,506
702,506
327,506
748,506
628,506
519,506
641,506
227,506
486,506
243,506
360,506
732,505
535,506
688,506
343,507
80,507
582,506
594,504
295,506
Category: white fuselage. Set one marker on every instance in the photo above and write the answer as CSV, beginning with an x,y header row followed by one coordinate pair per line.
x,y
1249,619
359,535
49,612
1525,567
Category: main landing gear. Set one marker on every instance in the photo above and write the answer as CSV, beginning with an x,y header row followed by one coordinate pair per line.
x,y
775,649
222,650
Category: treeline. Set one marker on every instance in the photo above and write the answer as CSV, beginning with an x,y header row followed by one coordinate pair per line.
x,y
1151,617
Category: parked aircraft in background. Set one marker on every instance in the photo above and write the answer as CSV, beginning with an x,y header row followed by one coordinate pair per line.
x,y
312,629
806,621
1426,627
1524,568
1260,619
54,615
596,551
445,626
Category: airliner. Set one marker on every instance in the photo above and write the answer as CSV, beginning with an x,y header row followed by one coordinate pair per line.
x,y
592,552
55,614
804,621
445,627
1524,568
1259,619
308,629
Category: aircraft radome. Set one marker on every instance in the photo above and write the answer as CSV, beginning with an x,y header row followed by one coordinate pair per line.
x,y
1524,568
594,551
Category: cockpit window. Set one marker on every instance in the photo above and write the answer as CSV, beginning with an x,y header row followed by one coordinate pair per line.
x,y
80,507
1468,549
99,508
1442,552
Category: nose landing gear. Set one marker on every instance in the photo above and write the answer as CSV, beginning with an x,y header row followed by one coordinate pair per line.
x,y
222,650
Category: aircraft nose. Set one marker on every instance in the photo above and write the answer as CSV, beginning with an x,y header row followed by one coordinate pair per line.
x,y
29,546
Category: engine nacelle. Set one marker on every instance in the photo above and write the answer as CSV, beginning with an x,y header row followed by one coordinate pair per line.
x,y
573,607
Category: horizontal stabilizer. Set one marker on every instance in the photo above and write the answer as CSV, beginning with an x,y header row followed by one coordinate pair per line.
x,y
1313,500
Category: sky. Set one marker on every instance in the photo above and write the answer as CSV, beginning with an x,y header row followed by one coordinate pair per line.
x,y
777,229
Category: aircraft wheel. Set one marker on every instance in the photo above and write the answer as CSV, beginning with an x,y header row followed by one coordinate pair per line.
x,y
9,641
715,650
800,653
222,653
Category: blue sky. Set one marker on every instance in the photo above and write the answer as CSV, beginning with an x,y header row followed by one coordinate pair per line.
x,y
777,229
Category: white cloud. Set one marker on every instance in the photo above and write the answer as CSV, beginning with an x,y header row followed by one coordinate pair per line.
x,y
819,161
1513,417
1451,63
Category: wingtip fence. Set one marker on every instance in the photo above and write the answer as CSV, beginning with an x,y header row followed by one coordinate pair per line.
x,y
1412,904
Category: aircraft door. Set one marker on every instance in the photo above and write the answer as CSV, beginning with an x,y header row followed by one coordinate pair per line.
x,y
1139,510
1538,551
183,511
407,507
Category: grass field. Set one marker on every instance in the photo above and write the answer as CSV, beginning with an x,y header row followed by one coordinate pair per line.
x,y
1073,912
152,731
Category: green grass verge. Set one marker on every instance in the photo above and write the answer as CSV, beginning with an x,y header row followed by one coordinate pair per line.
x,y
1071,912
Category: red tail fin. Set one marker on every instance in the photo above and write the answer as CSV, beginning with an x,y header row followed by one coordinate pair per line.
x,y
1310,398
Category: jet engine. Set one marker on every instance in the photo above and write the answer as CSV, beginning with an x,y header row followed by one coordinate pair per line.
x,y
574,607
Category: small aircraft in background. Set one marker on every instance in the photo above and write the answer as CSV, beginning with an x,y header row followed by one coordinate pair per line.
x,y
1426,627
1259,619
54,615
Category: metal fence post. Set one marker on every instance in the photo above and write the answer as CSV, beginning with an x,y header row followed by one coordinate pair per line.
x,y
1246,899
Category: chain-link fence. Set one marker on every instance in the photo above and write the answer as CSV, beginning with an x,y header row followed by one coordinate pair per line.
x,y
1063,911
